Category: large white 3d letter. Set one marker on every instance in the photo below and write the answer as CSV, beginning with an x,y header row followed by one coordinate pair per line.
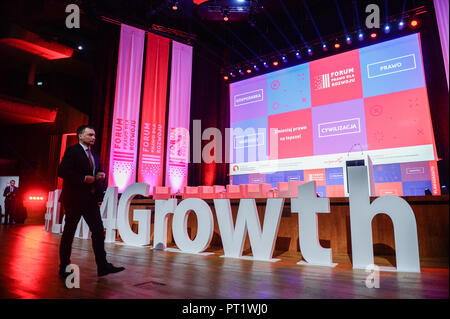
x,y
82,229
262,243
307,205
108,211
49,210
56,227
162,210
205,225
142,216
361,215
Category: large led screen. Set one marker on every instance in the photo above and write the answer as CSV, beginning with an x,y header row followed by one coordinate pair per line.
x,y
301,123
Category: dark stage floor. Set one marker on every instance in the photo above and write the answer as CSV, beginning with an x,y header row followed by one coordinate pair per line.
x,y
29,263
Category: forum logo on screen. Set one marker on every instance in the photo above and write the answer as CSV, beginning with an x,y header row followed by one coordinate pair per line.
x,y
334,79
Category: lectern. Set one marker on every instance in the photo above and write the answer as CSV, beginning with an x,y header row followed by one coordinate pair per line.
x,y
359,160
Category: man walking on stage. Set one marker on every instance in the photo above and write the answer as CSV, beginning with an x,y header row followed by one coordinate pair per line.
x,y
10,194
83,186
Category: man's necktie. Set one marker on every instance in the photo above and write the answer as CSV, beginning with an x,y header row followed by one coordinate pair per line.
x,y
91,162
91,165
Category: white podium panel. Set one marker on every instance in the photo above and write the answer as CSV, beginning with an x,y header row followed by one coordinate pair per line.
x,y
359,160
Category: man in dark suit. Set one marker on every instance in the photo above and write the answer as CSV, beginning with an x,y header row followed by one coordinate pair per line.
x,y
10,194
83,186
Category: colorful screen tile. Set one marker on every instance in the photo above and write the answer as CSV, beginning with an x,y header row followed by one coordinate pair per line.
x,y
387,173
288,90
248,99
416,188
382,189
415,171
392,66
339,128
317,175
334,176
336,79
294,134
398,120
249,140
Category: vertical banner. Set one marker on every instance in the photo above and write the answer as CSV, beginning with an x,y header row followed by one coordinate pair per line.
x,y
179,114
122,162
434,174
151,141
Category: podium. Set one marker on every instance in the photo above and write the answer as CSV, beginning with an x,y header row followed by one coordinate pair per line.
x,y
359,160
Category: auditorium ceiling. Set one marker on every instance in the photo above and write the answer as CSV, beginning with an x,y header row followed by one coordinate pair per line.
x,y
260,28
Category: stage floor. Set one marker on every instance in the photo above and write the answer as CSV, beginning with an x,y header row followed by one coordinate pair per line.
x,y
29,265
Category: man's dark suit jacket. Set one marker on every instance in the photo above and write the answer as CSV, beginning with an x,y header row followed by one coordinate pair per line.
x,y
8,190
72,169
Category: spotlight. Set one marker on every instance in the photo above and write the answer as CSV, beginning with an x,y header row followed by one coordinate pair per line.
x,y
275,63
240,1
414,23
349,40
175,6
249,71
265,65
324,47
284,59
232,75
310,52
387,28
360,36
256,67
39,83
337,45
298,55
226,77
80,47
401,25
373,35
241,72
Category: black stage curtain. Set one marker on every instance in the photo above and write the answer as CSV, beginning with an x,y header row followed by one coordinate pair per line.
x,y
104,74
437,92
209,104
